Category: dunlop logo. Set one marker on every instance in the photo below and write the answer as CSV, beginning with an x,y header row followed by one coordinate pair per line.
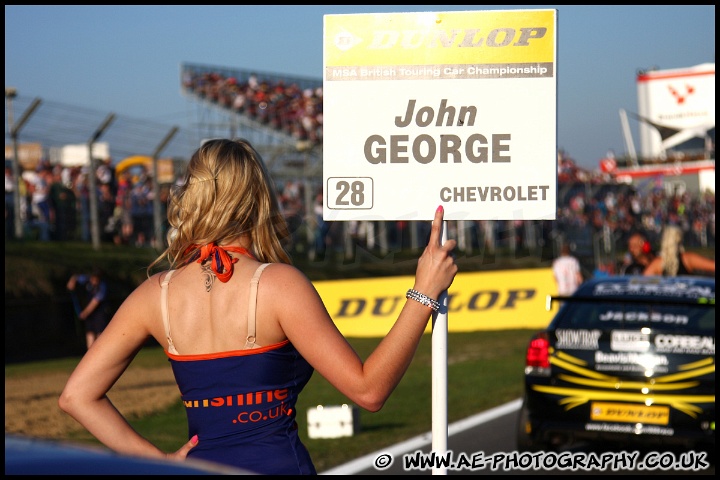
x,y
476,301
455,38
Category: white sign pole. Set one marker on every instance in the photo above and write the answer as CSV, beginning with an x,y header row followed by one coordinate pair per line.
x,y
439,374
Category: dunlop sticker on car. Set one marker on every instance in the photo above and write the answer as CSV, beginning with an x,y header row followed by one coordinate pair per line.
x,y
621,412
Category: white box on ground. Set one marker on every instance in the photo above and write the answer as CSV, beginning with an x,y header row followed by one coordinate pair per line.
x,y
333,421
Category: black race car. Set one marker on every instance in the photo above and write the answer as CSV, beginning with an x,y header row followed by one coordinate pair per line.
x,y
627,361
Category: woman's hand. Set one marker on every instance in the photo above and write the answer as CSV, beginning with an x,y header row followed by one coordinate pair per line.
x,y
436,266
181,454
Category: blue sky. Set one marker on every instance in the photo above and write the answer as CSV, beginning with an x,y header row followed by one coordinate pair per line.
x,y
126,59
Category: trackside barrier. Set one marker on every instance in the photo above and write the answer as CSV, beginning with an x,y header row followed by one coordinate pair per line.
x,y
498,300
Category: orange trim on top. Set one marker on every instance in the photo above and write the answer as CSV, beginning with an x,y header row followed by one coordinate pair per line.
x,y
228,354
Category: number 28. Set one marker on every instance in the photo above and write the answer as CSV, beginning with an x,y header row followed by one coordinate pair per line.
x,y
350,193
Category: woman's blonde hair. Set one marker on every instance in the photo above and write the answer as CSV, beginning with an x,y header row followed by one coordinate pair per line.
x,y
227,192
670,249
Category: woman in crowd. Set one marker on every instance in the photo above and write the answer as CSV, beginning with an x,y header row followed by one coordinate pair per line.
x,y
674,261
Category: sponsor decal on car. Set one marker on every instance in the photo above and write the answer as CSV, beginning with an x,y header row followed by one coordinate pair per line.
x,y
628,341
645,286
622,412
690,344
577,339
627,428
643,317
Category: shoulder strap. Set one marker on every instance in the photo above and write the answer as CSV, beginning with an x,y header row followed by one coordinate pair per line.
x,y
164,310
252,305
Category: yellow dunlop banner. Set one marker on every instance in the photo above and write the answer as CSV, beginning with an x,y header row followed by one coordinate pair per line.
x,y
504,300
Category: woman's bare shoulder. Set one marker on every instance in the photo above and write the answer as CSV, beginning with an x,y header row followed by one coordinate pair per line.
x,y
278,272
285,280
150,285
143,303
288,295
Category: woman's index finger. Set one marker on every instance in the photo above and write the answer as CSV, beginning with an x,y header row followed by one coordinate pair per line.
x,y
437,226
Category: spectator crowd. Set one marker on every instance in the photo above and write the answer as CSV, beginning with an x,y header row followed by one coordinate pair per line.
x,y
285,107
55,202
55,206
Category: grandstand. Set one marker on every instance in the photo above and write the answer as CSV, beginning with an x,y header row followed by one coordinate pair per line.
x,y
215,89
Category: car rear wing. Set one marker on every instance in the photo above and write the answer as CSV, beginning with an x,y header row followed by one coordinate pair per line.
x,y
695,302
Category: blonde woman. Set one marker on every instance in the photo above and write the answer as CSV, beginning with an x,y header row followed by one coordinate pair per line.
x,y
243,346
674,261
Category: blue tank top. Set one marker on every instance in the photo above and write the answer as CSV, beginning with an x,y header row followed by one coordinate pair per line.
x,y
241,404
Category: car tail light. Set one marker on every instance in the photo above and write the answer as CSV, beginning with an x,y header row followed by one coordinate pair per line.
x,y
537,358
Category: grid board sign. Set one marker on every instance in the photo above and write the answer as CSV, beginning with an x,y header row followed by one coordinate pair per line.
x,y
440,108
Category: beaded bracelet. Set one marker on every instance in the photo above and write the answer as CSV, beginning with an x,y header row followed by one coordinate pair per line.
x,y
424,299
